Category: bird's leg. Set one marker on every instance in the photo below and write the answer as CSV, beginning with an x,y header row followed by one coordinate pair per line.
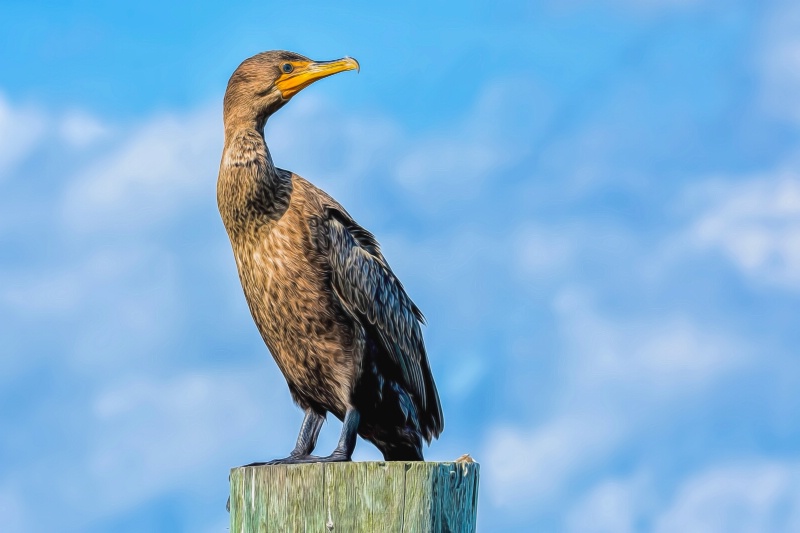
x,y
306,440
347,442
309,431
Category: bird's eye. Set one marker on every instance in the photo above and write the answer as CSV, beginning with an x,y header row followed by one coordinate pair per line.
x,y
287,68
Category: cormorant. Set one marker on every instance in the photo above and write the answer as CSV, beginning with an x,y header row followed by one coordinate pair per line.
x,y
336,319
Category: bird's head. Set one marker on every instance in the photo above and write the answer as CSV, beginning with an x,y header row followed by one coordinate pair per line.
x,y
265,82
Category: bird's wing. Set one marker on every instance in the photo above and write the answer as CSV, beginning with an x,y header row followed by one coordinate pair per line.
x,y
371,292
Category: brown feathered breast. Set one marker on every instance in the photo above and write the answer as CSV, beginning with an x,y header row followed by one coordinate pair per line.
x,y
288,290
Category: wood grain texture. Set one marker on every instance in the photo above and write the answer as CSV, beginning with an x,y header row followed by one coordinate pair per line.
x,y
402,497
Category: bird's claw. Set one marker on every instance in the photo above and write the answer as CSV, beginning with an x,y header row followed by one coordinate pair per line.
x,y
293,459
335,457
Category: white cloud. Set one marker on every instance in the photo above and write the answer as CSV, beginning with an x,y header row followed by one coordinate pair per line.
x,y
122,300
155,432
143,436
756,225
458,164
652,356
151,177
611,506
779,60
544,251
464,377
531,468
159,433
80,129
446,163
21,129
660,365
38,293
325,145
750,497
13,515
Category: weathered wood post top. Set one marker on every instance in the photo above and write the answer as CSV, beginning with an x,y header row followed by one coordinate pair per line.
x,y
355,497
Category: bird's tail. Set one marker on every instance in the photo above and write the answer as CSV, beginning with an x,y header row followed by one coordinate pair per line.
x,y
401,448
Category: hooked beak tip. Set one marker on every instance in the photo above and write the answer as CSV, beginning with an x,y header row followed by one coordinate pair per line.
x,y
358,65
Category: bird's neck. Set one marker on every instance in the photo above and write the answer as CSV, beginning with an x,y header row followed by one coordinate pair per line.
x,y
246,148
249,185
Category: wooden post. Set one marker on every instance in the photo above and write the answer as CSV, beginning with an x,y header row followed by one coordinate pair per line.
x,y
382,497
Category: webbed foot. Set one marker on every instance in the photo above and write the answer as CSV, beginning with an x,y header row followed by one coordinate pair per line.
x,y
335,457
292,459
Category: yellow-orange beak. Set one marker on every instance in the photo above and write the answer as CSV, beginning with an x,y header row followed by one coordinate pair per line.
x,y
305,73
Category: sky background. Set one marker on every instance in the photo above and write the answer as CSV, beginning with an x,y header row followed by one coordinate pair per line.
x,y
596,204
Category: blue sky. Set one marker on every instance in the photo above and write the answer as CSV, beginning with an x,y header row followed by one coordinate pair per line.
x,y
596,204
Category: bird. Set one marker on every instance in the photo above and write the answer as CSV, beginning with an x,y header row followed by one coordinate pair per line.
x,y
336,319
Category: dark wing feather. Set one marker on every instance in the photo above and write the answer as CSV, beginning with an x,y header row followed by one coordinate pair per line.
x,y
370,291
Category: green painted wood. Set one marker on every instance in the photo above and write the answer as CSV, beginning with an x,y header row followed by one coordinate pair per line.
x,y
402,497
344,496
417,488
294,494
383,485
